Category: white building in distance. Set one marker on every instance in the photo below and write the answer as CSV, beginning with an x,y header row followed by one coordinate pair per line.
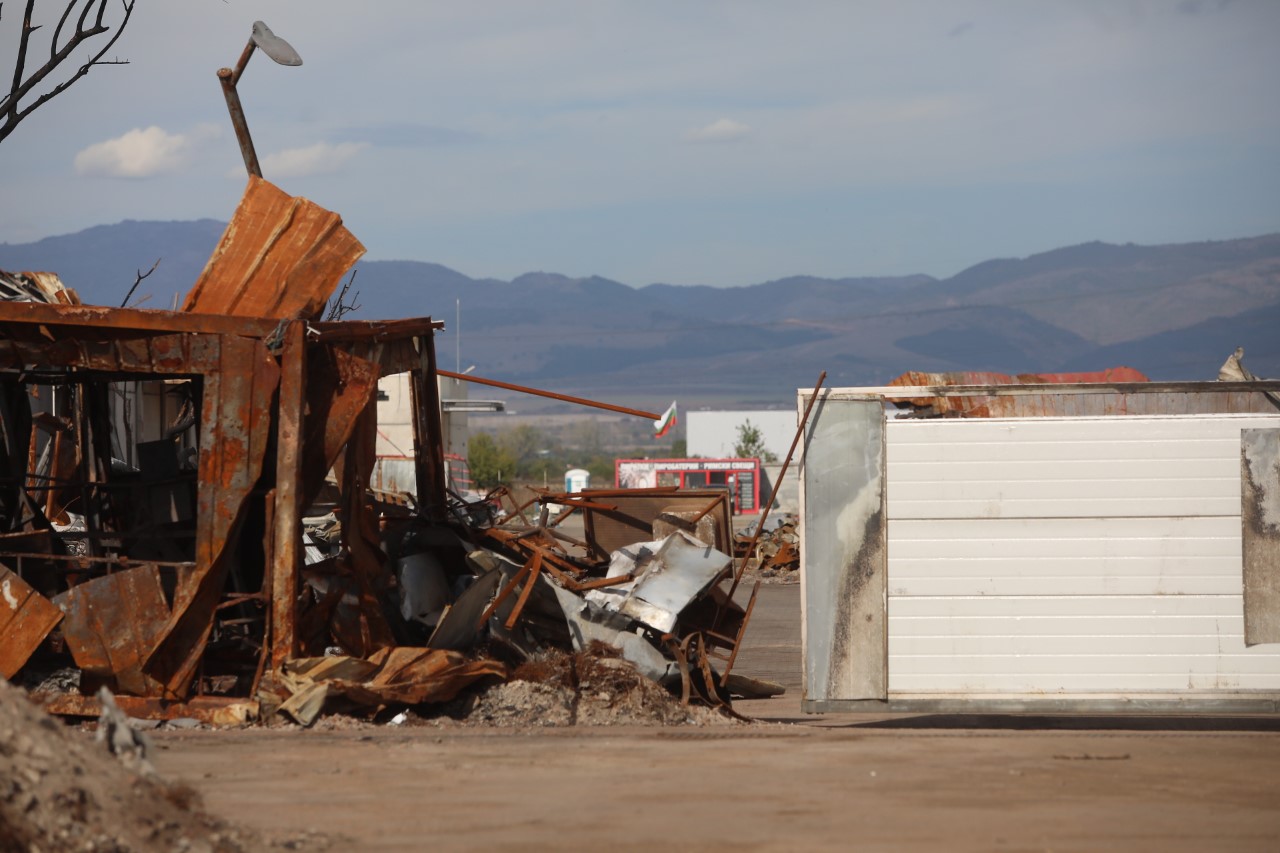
x,y
713,434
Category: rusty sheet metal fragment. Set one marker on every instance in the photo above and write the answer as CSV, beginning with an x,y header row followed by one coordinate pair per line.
x,y
26,618
669,574
1260,533
631,513
112,625
281,256
406,675
214,710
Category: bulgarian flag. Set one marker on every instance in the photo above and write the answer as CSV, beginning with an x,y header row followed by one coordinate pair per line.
x,y
663,425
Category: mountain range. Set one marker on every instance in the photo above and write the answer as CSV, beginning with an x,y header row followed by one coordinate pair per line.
x,y
1171,311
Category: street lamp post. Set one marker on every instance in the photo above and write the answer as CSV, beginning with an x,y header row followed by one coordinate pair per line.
x,y
280,51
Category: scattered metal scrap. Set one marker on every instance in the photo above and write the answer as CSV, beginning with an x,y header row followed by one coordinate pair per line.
x,y
185,511
777,549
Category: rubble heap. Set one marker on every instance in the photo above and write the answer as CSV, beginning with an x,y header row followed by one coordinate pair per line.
x,y
62,791
186,518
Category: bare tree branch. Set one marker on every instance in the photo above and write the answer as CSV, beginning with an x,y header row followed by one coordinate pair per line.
x,y
138,281
340,306
23,83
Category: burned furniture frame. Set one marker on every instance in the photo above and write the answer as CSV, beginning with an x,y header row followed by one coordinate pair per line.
x,y
279,405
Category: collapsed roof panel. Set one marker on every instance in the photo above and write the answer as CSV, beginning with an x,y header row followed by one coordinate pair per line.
x,y
281,256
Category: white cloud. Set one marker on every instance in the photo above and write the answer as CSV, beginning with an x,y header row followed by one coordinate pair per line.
x,y
318,159
720,130
141,153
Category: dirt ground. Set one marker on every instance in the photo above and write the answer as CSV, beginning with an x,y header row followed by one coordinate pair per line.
x,y
774,787
793,783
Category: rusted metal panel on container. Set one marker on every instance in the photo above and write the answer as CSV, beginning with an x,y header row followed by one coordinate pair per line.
x,y
113,624
234,432
338,387
844,574
140,354
365,555
1260,532
100,322
26,618
281,256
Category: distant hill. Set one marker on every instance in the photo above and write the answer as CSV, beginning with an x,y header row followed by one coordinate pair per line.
x,y
1174,312
101,263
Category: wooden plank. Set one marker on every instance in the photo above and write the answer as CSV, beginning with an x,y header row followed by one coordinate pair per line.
x,y
281,256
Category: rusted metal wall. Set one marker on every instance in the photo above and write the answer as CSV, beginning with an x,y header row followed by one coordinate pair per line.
x,y
1095,399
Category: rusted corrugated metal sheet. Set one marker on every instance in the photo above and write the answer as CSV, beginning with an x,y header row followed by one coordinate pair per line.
x,y
281,256
112,625
26,618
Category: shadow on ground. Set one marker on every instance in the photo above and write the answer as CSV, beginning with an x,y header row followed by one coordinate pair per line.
x,y
1041,722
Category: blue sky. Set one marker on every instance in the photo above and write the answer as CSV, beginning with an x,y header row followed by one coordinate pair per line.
x,y
685,142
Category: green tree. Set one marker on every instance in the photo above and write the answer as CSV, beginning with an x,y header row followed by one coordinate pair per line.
x,y
679,448
522,444
750,444
491,464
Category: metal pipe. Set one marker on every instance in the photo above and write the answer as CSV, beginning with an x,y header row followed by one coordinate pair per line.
x,y
227,78
564,398
755,538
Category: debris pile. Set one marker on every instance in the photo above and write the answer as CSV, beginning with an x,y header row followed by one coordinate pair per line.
x,y
777,549
592,687
62,791
186,518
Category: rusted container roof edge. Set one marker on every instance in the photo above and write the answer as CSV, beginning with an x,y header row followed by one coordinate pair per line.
x,y
903,391
376,330
152,320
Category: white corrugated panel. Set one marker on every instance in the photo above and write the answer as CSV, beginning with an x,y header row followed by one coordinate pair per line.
x,y
1069,555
